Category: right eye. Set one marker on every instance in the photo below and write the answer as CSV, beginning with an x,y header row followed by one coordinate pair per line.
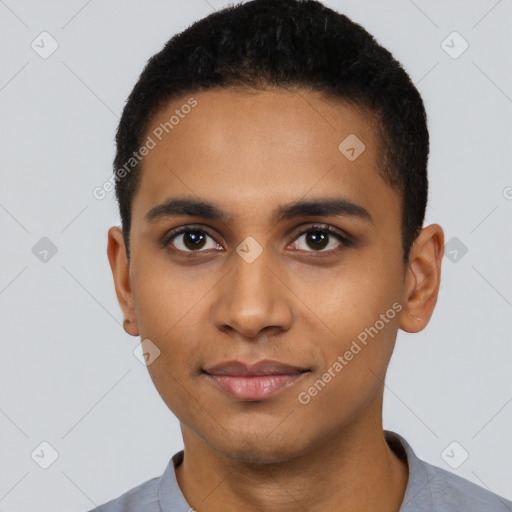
x,y
190,239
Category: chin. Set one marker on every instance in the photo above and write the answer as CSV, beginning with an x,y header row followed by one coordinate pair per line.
x,y
259,447
256,454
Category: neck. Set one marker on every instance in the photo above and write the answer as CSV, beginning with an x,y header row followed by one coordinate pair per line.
x,y
354,469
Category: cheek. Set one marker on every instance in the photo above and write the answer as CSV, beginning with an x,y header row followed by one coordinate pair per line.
x,y
175,390
169,319
165,301
176,368
354,370
362,312
351,301
366,346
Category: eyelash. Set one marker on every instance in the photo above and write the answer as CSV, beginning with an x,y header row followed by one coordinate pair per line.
x,y
324,228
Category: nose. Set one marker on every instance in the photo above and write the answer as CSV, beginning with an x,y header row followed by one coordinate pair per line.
x,y
253,299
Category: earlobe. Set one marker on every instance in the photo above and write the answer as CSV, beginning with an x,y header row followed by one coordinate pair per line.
x,y
131,327
423,279
119,265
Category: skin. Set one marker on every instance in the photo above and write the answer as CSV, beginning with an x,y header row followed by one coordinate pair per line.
x,y
247,154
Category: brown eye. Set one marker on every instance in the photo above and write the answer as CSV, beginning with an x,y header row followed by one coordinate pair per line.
x,y
317,238
191,240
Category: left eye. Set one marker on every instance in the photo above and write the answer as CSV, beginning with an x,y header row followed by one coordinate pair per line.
x,y
317,238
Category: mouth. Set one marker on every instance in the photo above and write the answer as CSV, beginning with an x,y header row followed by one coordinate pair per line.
x,y
253,382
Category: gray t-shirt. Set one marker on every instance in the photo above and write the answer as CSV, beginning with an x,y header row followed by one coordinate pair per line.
x,y
429,489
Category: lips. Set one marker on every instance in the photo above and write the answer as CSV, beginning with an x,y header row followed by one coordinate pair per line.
x,y
255,381
265,367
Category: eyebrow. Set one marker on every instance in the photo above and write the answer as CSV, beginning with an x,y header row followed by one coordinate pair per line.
x,y
320,207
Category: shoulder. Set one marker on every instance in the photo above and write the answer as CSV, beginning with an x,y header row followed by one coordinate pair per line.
x,y
154,495
455,493
431,488
142,497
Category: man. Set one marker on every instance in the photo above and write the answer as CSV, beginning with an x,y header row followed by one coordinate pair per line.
x,y
271,174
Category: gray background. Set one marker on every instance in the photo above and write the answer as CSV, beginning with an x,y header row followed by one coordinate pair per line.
x,y
68,373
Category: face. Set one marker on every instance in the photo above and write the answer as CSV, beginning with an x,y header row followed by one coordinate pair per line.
x,y
295,262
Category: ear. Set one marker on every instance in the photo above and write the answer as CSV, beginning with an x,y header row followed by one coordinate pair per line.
x,y
116,252
422,279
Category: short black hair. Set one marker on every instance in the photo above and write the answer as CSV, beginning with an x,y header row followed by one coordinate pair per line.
x,y
289,44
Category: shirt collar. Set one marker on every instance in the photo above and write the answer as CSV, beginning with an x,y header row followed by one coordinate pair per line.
x,y
169,493
418,495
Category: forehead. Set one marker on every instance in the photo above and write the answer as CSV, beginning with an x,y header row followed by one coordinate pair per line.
x,y
246,151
